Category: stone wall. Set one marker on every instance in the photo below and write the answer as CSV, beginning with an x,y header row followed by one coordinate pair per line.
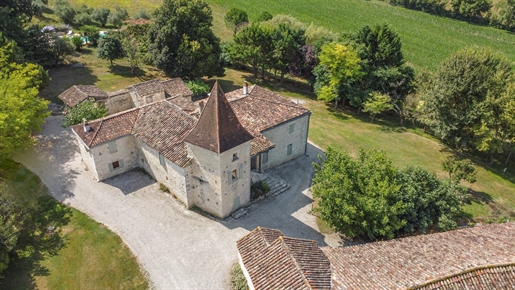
x,y
210,182
87,157
124,151
171,175
282,137
119,103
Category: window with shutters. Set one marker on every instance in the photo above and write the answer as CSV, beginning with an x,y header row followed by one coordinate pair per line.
x,y
234,175
291,128
112,147
115,165
265,157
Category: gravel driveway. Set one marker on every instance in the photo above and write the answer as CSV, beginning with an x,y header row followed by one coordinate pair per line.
x,y
177,248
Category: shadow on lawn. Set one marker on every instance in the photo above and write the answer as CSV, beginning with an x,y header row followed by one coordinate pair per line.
x,y
63,77
125,71
40,238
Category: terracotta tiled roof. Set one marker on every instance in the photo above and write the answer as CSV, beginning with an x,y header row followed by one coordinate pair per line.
x,y
176,87
163,126
147,88
78,93
412,261
262,109
218,128
260,144
108,128
117,93
285,263
499,277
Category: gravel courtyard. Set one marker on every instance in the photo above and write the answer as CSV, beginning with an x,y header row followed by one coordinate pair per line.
x,y
177,248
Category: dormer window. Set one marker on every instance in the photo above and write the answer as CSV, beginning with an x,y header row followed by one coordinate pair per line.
x,y
235,157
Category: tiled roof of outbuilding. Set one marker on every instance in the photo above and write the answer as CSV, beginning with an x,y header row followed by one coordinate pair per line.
x,y
277,262
176,87
412,261
499,277
78,93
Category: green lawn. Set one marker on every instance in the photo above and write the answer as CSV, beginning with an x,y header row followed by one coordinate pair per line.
x,y
83,255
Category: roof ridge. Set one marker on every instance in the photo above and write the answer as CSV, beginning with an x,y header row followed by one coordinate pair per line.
x,y
467,271
292,257
96,133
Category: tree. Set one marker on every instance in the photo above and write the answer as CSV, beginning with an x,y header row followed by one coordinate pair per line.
x,y
10,215
380,49
77,42
343,67
117,16
454,98
61,48
504,15
287,48
264,16
130,45
459,169
110,47
358,197
198,87
64,11
87,109
142,13
235,19
369,197
21,110
471,8
377,103
14,14
181,49
92,35
101,15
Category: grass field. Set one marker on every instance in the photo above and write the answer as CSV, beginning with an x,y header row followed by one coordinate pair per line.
x,y
427,39
87,256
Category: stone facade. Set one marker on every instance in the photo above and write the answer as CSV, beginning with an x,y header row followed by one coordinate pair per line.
x,y
204,153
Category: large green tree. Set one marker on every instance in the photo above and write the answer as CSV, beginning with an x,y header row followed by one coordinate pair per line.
x,y
288,43
460,97
182,42
369,197
235,19
253,46
13,15
88,110
343,67
110,47
21,110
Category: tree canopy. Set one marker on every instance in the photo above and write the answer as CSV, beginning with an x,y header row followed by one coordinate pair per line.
x,y
87,109
370,197
459,98
21,109
182,42
110,47
236,18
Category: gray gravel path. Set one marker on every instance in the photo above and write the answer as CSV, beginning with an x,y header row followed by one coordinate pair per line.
x,y
177,248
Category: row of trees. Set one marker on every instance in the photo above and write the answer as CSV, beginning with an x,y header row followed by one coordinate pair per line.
x,y
499,14
369,197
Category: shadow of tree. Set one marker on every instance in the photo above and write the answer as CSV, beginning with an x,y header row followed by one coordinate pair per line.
x,y
40,237
63,77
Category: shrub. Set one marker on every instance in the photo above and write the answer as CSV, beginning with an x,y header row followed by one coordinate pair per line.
x,y
198,87
86,109
238,280
76,42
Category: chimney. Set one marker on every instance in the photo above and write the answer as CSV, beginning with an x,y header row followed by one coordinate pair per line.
x,y
245,88
86,126
200,107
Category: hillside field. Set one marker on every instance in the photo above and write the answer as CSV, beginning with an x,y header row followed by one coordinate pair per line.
x,y
427,39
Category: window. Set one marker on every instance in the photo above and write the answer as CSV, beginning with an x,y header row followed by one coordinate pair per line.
x,y
112,147
235,157
265,157
150,99
234,175
162,160
291,128
115,165
289,149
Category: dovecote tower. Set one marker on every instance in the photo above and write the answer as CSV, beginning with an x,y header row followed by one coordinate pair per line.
x,y
219,147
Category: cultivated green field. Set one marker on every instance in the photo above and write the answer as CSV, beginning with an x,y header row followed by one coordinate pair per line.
x,y
92,257
427,39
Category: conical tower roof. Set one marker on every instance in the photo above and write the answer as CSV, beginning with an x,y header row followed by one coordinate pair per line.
x,y
218,128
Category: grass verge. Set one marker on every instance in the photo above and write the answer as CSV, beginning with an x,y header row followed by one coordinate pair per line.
x,y
82,254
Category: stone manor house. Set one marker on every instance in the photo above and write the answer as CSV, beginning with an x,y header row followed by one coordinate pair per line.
x,y
207,152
